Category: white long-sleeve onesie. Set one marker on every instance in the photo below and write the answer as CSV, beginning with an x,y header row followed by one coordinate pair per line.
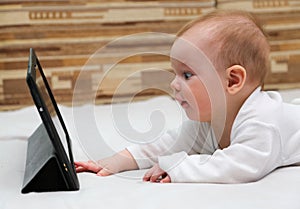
x,y
265,135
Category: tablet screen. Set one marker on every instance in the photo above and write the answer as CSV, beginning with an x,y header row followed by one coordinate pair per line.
x,y
51,109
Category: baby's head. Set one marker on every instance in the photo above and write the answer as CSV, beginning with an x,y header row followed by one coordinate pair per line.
x,y
235,44
236,38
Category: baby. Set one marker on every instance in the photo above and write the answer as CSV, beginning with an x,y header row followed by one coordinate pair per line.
x,y
237,132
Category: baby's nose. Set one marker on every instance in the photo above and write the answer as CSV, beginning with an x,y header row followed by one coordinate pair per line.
x,y
175,84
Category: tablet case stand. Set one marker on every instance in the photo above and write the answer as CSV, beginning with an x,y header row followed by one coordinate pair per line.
x,y
42,172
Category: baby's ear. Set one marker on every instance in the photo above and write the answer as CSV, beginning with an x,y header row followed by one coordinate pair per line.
x,y
236,77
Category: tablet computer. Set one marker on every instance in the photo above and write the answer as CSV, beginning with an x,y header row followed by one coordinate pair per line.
x,y
50,142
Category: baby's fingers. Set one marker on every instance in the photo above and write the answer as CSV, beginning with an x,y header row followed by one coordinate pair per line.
x,y
156,177
155,174
80,169
166,179
148,175
87,166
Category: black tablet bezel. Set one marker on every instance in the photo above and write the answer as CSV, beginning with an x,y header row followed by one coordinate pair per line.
x,y
66,164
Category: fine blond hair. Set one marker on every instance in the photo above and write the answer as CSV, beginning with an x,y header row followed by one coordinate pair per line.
x,y
238,38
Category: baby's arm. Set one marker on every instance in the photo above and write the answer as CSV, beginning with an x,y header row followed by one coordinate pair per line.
x,y
122,161
249,157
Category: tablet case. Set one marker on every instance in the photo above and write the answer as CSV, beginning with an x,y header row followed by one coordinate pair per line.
x,y
42,172
48,168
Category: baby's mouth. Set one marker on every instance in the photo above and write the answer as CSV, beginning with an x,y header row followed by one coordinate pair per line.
x,y
184,104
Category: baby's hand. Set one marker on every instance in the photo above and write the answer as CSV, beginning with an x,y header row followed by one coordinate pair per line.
x,y
122,161
91,166
156,174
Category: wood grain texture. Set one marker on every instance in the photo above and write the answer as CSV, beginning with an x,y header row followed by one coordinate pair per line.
x,y
281,19
67,34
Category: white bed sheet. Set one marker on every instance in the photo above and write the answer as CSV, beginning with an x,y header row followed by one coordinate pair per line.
x,y
280,189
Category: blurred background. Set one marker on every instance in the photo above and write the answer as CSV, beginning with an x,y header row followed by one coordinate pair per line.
x,y
66,34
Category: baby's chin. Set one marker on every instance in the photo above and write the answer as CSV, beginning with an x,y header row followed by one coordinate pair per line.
x,y
197,117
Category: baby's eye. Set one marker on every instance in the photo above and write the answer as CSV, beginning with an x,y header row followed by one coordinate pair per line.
x,y
187,75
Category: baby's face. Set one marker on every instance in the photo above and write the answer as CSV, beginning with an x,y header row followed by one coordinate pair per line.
x,y
197,85
191,93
